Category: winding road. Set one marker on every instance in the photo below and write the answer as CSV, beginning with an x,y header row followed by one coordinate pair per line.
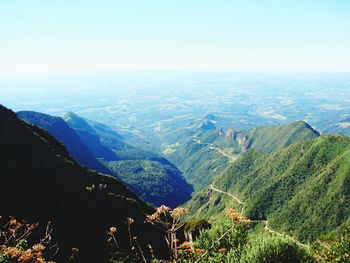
x,y
265,222
256,221
230,157
231,195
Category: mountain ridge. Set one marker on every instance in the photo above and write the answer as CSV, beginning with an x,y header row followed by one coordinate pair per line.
x,y
44,183
57,127
207,154
301,189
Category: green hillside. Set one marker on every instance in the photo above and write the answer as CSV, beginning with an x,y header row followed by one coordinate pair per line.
x,y
303,190
90,137
41,183
271,138
206,155
104,142
151,177
58,128
153,181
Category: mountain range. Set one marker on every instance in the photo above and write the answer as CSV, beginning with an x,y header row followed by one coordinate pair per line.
x,y
98,147
42,182
58,128
208,153
288,177
302,190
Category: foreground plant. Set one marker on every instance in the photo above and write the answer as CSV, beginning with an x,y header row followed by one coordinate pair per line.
x,y
227,234
228,240
330,249
170,222
16,247
136,254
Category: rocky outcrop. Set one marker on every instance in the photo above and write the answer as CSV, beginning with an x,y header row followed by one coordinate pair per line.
x,y
231,134
242,142
220,132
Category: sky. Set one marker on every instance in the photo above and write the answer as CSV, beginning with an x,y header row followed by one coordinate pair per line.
x,y
125,35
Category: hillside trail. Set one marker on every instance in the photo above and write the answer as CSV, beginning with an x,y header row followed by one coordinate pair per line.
x,y
265,222
211,146
267,229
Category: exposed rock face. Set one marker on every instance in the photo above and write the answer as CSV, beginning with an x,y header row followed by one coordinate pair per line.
x,y
220,132
231,134
241,140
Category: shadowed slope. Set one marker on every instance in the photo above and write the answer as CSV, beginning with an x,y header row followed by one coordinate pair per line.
x,y
41,182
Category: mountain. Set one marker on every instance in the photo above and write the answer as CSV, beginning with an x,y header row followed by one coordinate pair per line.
x,y
42,183
90,137
150,176
78,123
59,129
108,136
207,125
271,138
208,153
157,182
302,190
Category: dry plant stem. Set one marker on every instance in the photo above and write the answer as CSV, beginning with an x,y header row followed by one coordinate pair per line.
x,y
26,233
114,240
130,238
172,220
142,256
140,251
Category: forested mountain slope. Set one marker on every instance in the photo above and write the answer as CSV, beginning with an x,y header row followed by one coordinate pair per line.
x,y
58,128
208,154
303,190
154,181
41,183
151,177
90,137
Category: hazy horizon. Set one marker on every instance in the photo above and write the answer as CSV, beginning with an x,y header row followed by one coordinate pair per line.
x,y
39,36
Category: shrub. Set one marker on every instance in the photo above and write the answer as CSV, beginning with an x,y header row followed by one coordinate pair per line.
x,y
227,234
330,249
273,249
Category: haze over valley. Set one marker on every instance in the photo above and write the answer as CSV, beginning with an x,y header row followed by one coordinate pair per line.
x,y
175,131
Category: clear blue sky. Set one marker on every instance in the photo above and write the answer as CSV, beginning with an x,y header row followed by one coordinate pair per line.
x,y
69,35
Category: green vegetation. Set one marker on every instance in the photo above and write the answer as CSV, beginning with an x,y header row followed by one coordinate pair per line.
x,y
43,183
90,137
288,183
334,248
59,129
199,163
150,176
301,190
266,248
200,160
230,240
272,138
153,181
